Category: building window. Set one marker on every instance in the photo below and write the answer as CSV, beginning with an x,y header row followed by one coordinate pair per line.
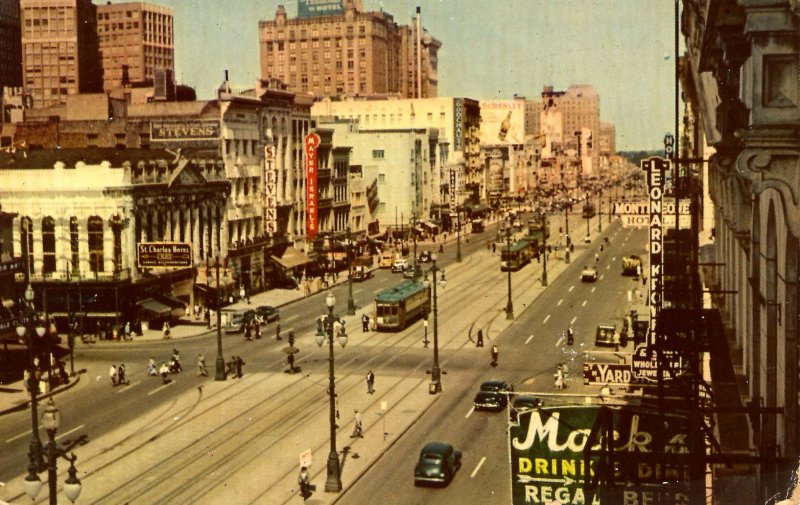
x,y
73,243
26,241
117,231
377,154
95,231
381,178
48,245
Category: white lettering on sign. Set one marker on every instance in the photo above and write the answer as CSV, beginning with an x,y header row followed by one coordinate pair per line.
x,y
271,192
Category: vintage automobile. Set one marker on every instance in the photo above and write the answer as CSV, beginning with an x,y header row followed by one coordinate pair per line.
x,y
267,313
237,319
589,274
425,257
400,265
492,395
361,273
412,272
387,259
438,463
631,264
521,404
606,335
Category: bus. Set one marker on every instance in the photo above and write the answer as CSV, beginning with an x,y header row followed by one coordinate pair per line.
x,y
517,256
477,226
399,306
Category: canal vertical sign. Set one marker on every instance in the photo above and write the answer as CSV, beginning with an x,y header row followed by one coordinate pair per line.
x,y
598,455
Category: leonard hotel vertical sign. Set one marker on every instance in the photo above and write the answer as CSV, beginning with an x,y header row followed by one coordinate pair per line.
x,y
656,169
311,143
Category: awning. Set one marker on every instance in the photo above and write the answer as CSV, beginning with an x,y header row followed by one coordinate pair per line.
x,y
292,258
154,306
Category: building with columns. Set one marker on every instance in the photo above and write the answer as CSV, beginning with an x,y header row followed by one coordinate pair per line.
x,y
740,83
82,213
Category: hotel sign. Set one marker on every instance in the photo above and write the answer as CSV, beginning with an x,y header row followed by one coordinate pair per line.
x,y
656,169
164,255
556,452
184,130
314,8
271,191
311,143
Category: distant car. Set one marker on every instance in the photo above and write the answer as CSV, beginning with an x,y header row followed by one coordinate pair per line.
x,y
411,272
267,313
387,259
521,404
492,395
589,274
361,273
438,463
400,265
237,319
425,257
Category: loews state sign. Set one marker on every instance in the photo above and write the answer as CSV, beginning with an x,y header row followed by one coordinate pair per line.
x,y
556,453
164,255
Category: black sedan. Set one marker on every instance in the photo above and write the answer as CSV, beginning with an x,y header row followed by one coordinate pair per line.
x,y
438,462
522,404
267,313
492,395
425,257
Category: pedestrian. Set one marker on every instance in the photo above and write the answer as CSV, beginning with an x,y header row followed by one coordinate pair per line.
x,y
570,336
248,331
644,280
479,339
370,382
495,355
112,374
163,370
127,330
152,370
364,323
165,330
303,482
239,364
596,257
201,365
494,247
559,377
121,379
196,311
278,331
357,427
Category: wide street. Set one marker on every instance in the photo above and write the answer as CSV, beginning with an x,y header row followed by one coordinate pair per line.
x,y
200,441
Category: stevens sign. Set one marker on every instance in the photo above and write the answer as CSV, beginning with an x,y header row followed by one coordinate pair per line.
x,y
556,452
164,255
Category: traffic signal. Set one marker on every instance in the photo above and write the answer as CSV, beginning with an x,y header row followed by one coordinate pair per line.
x,y
291,338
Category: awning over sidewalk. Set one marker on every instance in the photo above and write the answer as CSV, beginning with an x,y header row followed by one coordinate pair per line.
x,y
292,258
154,306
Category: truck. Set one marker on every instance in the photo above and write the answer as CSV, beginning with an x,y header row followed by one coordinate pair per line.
x,y
631,264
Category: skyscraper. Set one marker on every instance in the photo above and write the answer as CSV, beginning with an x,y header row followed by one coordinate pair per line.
x,y
138,36
11,55
334,48
59,49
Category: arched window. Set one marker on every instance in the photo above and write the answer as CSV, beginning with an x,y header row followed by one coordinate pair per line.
x,y
48,245
73,243
95,231
26,242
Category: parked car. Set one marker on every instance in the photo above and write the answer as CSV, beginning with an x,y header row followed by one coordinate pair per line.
x,y
237,319
361,273
425,257
589,274
400,265
492,395
267,313
631,264
522,404
438,463
387,260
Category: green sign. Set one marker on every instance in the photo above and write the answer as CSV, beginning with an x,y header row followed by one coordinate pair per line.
x,y
558,455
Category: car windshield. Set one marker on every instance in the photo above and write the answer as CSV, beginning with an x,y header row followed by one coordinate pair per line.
x,y
431,458
491,386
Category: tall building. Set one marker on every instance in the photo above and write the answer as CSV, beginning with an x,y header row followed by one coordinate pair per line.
x,y
11,55
138,36
59,49
334,48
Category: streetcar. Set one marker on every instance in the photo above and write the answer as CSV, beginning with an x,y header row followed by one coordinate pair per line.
x,y
588,211
400,305
517,256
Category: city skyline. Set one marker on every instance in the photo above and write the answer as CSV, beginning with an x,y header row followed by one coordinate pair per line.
x,y
623,50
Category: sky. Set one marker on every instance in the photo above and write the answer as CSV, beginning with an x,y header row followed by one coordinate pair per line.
x,y
491,49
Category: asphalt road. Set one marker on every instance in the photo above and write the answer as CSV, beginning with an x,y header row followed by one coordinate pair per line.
x,y
528,356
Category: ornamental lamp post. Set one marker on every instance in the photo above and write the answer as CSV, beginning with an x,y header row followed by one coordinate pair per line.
x,y
219,374
458,235
509,305
329,326
436,372
51,420
599,211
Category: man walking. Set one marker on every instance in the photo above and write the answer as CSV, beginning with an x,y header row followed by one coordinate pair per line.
x,y
278,331
112,374
364,323
495,355
370,382
479,339
357,426
239,363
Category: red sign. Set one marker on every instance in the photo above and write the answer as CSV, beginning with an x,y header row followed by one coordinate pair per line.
x,y
311,143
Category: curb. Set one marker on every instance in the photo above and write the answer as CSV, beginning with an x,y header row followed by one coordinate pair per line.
x,y
24,406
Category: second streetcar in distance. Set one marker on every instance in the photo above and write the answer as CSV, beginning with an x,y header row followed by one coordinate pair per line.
x,y
400,305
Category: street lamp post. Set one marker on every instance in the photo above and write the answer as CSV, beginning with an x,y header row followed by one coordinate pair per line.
x,y
220,372
436,371
351,304
458,235
35,462
414,237
587,218
509,304
566,234
544,248
327,327
600,211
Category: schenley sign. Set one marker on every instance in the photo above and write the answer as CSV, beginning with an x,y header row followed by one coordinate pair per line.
x,y
164,255
556,451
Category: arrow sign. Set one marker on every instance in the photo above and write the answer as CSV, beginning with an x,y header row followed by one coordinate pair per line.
x,y
524,479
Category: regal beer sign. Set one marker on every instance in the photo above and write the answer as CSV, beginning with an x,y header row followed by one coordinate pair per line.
x,y
184,130
164,255
557,455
